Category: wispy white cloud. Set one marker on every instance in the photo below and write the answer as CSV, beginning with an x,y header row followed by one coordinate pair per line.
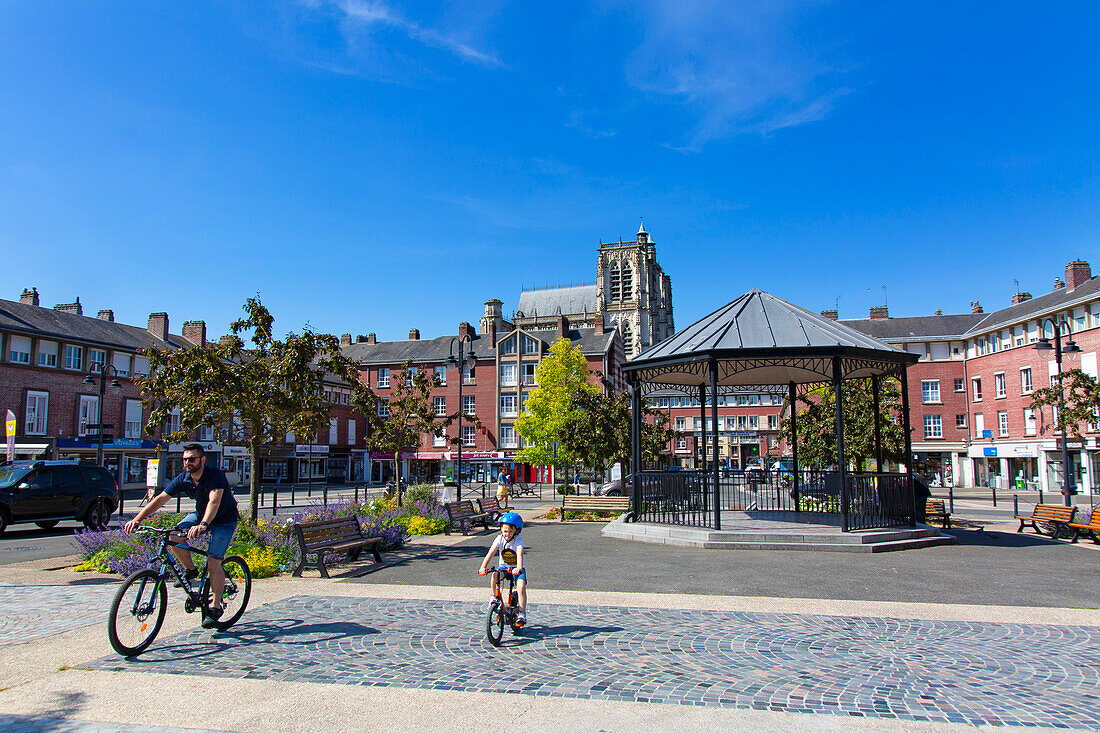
x,y
744,67
584,122
363,16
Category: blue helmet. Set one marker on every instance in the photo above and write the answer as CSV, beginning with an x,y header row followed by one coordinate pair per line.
x,y
513,519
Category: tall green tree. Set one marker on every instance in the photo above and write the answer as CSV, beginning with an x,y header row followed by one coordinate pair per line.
x,y
817,424
560,375
1074,397
251,393
597,430
406,416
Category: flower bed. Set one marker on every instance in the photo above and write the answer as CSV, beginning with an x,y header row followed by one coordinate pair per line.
x,y
269,546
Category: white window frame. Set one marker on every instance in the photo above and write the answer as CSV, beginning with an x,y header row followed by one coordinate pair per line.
x,y
508,436
36,412
930,391
1030,426
441,375
469,435
333,431
19,349
681,443
47,354
933,426
509,405
976,385
469,404
383,408
384,377
508,375
120,360
960,423
141,364
410,374
74,357
87,411
439,440
1000,386
351,431
527,371
468,376
173,424
1027,385
97,356
1002,423
439,405
132,428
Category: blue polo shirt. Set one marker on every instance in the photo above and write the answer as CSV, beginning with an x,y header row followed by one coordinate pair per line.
x,y
211,479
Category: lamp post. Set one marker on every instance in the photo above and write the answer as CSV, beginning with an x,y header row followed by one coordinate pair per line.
x,y
102,370
1069,481
458,358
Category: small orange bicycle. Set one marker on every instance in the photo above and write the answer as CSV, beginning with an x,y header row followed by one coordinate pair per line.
x,y
500,610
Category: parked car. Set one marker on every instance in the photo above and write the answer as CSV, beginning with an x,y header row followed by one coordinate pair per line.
x,y
47,492
613,488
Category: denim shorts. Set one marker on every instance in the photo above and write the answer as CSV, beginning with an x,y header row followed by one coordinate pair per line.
x,y
220,534
521,575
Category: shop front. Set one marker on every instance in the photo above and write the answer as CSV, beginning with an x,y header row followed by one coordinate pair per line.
x,y
126,458
1006,466
312,463
1082,464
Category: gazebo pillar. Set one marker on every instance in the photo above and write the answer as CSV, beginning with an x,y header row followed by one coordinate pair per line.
x,y
908,444
635,441
792,393
878,423
838,391
714,443
703,427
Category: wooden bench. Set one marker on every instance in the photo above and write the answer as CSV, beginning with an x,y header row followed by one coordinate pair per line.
x,y
461,514
936,509
1092,529
1054,514
594,504
329,536
490,505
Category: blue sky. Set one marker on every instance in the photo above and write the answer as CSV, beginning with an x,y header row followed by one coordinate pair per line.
x,y
378,166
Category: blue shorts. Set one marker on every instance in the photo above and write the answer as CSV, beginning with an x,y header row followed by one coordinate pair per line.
x,y
220,534
522,575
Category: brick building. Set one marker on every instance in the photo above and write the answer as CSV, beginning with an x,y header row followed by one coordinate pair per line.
x,y
971,390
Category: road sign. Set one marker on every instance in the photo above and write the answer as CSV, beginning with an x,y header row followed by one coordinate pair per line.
x,y
9,430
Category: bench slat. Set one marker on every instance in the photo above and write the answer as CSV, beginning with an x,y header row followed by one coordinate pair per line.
x,y
332,535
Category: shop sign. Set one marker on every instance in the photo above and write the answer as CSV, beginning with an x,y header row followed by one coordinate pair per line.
x,y
117,443
152,472
987,433
310,450
234,451
744,434
989,451
208,447
473,455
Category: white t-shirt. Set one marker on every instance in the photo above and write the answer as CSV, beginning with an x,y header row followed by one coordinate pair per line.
x,y
511,547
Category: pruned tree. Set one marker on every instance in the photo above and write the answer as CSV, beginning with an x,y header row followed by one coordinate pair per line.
x,y
597,429
1074,399
817,423
253,393
399,422
563,373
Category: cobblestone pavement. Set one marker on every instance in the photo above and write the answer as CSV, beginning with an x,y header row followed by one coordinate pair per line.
x,y
29,612
948,671
23,724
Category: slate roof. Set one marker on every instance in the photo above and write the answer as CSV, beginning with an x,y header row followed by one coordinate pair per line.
x,y
918,328
1044,304
437,350
758,325
567,301
33,320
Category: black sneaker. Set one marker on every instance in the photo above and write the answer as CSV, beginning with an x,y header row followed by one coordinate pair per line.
x,y
212,616
191,575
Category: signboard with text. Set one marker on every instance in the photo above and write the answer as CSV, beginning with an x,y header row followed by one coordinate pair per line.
x,y
9,432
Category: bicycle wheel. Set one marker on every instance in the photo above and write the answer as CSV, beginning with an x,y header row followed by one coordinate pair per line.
x,y
238,588
494,622
137,612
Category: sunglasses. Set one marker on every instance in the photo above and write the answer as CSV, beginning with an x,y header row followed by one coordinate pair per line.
x,y
190,459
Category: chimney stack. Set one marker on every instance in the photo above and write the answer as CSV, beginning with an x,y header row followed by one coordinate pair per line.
x,y
1077,273
599,325
29,297
70,307
360,339
345,339
976,307
879,312
939,311
106,315
1058,284
414,334
225,340
465,330
1020,298
158,325
831,315
195,332
371,338
563,327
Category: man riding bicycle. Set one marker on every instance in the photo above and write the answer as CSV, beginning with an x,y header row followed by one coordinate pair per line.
x,y
215,503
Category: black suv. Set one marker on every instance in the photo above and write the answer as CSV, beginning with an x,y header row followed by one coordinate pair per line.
x,y
46,492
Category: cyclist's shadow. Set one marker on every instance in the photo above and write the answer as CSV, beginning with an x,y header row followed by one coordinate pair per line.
x,y
284,631
537,633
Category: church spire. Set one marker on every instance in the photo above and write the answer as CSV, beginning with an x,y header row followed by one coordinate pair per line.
x,y
643,235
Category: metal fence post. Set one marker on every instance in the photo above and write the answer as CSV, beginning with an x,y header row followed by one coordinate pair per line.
x,y
275,500
324,494
994,490
951,497
1015,504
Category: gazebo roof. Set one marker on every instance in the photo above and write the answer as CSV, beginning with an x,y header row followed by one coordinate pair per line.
x,y
759,339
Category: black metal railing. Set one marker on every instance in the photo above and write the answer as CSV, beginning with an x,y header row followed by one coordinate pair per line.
x,y
686,498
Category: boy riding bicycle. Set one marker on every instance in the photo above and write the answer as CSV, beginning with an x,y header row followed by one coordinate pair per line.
x,y
215,504
509,548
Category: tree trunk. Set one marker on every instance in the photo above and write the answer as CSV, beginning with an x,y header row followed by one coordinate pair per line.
x,y
254,480
397,475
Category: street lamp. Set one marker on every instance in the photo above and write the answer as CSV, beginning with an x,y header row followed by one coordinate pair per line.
x,y
1069,482
102,370
460,359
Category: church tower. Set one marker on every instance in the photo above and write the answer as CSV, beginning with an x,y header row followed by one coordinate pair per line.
x,y
633,293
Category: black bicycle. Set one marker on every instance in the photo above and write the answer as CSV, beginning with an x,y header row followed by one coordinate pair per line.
x,y
137,611
504,608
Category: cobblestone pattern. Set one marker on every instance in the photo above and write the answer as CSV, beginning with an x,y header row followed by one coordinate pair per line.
x,y
977,673
22,724
29,612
